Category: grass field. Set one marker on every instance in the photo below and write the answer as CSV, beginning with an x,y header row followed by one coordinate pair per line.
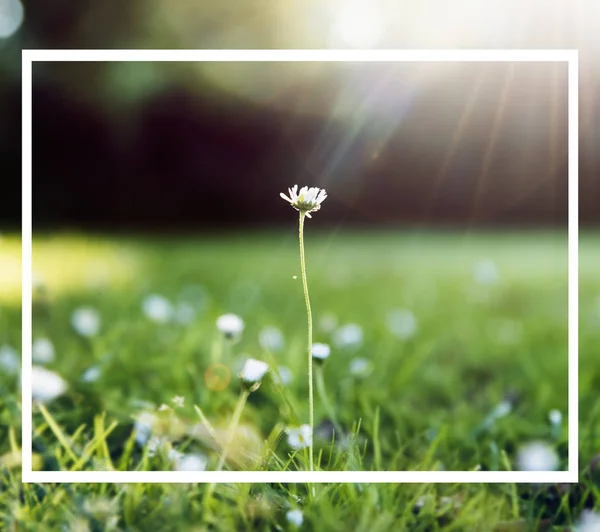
x,y
462,358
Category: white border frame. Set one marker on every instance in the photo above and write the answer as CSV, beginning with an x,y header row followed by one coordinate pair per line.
x,y
568,56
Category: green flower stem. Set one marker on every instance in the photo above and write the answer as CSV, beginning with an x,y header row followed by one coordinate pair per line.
x,y
311,403
235,421
323,396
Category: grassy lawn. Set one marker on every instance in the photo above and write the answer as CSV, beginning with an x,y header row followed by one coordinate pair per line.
x,y
462,358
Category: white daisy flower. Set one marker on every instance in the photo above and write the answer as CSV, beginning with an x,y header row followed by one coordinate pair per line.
x,y
157,308
86,321
271,338
143,426
307,200
555,417
402,323
231,325
486,272
295,517
299,437
537,456
91,374
46,385
283,375
191,462
360,367
349,335
42,351
253,371
320,351
9,359
589,521
178,401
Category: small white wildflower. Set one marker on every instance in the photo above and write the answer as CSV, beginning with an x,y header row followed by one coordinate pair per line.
x,y
164,408
360,367
173,455
307,200
589,521
555,417
144,424
231,325
184,313
271,338
283,375
486,272
42,351
402,323
46,385
86,321
155,444
349,335
91,374
178,401
253,370
537,456
299,437
320,351
295,517
157,308
191,462
9,359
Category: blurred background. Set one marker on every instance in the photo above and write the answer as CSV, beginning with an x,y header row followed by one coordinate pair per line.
x,y
163,146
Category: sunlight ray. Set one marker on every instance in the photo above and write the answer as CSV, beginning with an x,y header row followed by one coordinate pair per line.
x,y
489,151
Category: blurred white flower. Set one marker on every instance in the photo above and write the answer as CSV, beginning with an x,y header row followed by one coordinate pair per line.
x,y
231,325
307,200
299,437
155,444
402,323
86,321
42,351
328,322
143,426
295,517
486,272
9,359
46,385
191,462
157,308
184,313
537,456
283,375
360,367
11,17
349,335
320,351
178,401
91,374
271,338
502,409
253,370
589,521
555,417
